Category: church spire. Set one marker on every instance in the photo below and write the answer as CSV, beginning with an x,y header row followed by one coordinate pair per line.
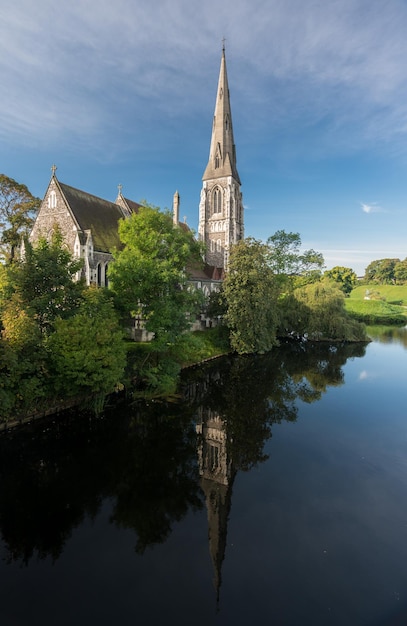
x,y
221,205
222,153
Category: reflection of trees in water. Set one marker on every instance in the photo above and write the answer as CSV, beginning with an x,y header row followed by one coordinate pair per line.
x,y
252,393
158,480
237,400
389,334
52,478
54,475
46,489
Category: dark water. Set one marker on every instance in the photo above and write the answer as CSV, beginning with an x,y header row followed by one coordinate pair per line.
x,y
275,493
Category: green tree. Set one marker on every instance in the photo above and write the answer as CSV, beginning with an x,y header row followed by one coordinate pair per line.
x,y
251,292
344,276
287,261
317,310
400,272
35,291
87,353
17,210
149,275
43,280
23,372
381,271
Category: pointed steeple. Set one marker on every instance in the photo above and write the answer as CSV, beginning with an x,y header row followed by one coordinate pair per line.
x,y
222,153
221,205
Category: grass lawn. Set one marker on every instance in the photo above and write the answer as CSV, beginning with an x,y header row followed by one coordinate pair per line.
x,y
393,294
388,304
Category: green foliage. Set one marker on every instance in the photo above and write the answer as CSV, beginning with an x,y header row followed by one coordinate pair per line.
x,y
293,316
58,339
273,289
287,261
328,318
400,272
20,329
217,305
17,210
149,275
251,294
155,373
43,280
23,372
317,311
345,277
203,344
87,352
382,271
151,373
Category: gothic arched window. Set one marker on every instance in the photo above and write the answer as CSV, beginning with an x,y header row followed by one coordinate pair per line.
x,y
217,200
218,156
52,200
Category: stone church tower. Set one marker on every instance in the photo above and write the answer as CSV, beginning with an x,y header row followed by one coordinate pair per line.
x,y
221,205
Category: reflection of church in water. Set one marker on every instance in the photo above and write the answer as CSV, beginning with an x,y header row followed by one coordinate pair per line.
x,y
217,476
220,226
216,468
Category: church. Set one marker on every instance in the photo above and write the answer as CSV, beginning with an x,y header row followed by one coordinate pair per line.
x,y
89,224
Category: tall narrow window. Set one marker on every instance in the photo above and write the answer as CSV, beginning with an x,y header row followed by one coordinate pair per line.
x,y
218,156
52,200
217,200
213,457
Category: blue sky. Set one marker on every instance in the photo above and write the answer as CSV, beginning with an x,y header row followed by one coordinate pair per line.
x,y
124,92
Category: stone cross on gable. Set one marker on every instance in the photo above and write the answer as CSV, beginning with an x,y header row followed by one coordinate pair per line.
x,y
120,187
53,169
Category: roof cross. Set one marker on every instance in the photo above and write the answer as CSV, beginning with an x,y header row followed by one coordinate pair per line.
x,y
53,169
120,187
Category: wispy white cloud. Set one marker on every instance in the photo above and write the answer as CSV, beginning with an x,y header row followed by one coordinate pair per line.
x,y
372,207
74,69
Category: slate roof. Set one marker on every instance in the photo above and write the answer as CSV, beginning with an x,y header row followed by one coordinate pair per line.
x,y
97,215
133,206
207,272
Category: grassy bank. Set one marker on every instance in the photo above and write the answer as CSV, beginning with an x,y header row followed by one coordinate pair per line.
x,y
386,304
155,373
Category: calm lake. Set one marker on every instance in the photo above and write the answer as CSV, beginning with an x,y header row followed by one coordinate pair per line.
x,y
272,491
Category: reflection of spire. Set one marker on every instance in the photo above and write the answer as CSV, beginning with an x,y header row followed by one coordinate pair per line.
x,y
217,475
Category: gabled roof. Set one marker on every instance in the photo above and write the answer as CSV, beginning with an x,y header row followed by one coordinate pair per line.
x,y
99,216
133,206
206,272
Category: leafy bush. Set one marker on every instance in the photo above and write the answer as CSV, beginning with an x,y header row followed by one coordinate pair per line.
x,y
87,352
317,310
